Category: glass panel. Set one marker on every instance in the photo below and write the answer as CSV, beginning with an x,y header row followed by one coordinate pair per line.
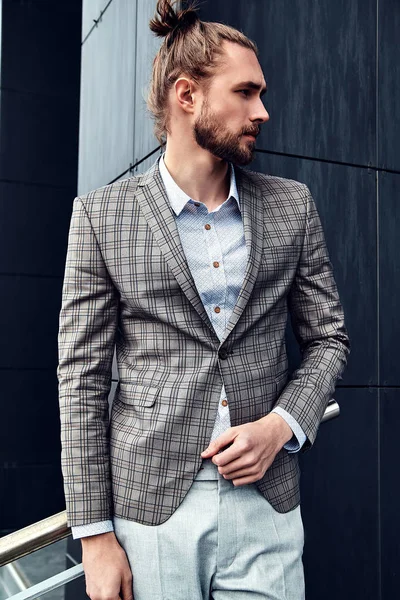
x,y
34,568
73,590
4,592
69,585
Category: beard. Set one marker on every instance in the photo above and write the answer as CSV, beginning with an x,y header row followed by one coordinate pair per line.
x,y
212,135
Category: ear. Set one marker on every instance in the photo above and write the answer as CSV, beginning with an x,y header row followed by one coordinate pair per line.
x,y
186,93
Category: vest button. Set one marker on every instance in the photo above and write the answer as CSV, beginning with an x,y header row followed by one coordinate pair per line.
x,y
223,353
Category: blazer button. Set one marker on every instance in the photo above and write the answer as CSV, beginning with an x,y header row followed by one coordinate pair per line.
x,y
223,353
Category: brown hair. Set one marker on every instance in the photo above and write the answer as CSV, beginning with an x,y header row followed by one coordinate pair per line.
x,y
190,46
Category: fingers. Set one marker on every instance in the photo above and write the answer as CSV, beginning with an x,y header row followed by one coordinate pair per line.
x,y
126,587
251,474
247,466
238,468
230,455
243,446
220,442
244,480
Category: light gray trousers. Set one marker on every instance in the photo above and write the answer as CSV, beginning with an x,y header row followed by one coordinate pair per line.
x,y
222,543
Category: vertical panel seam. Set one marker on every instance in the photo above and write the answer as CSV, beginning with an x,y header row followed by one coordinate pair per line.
x,y
379,482
134,157
377,87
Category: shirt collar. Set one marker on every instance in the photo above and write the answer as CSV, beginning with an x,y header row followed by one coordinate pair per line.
x,y
178,198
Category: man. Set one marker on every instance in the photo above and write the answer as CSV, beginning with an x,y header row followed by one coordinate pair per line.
x,y
193,487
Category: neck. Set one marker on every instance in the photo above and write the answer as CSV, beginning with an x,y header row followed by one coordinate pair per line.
x,y
198,173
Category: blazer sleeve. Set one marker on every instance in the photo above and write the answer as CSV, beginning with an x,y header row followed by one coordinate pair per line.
x,y
87,326
318,324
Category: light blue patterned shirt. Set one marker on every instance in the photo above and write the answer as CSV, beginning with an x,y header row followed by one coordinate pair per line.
x,y
217,257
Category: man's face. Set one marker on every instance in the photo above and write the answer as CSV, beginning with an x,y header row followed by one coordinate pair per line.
x,y
232,111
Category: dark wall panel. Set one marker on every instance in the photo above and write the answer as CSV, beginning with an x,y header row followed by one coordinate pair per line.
x,y
44,64
29,493
389,277
340,502
39,131
319,61
29,322
390,490
39,138
346,200
30,243
32,432
30,473
389,84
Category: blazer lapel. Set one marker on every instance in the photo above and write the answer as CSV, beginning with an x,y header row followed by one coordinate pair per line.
x,y
156,208
251,205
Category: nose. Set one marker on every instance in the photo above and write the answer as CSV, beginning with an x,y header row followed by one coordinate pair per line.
x,y
261,115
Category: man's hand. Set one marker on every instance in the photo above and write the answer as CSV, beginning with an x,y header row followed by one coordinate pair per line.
x,y
107,572
252,451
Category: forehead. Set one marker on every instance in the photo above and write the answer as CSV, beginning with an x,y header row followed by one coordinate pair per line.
x,y
239,64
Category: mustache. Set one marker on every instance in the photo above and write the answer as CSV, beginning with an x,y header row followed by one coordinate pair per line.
x,y
254,131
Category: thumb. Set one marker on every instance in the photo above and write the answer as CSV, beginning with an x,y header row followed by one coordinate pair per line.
x,y
220,442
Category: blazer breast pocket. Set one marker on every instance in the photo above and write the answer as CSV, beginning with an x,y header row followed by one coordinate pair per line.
x,y
277,268
286,254
138,395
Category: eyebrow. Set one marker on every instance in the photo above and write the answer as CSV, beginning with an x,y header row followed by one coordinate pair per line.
x,y
253,85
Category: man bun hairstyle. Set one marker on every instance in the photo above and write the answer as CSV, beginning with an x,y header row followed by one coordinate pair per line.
x,y
191,46
171,23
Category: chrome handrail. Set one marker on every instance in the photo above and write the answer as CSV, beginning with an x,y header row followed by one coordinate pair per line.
x,y
55,528
34,537
331,412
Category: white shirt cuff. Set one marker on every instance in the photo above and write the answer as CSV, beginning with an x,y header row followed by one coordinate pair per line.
x,y
80,531
295,444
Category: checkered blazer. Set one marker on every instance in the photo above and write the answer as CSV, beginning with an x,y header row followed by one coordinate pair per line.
x,y
127,283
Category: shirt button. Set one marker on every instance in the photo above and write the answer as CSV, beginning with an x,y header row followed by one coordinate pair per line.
x,y
224,402
197,203
217,309
223,353
216,264
207,226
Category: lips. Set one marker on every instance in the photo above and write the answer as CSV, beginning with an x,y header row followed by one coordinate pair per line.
x,y
252,134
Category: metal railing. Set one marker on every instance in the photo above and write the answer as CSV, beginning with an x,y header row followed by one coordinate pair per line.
x,y
55,528
34,537
332,411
